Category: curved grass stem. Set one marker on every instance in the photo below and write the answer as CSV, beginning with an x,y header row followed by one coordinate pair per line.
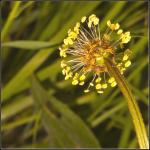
x,y
132,105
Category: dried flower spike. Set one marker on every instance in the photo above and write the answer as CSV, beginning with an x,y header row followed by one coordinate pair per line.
x,y
86,49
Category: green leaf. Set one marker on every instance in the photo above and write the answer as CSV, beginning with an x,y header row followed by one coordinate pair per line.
x,y
18,122
63,126
29,45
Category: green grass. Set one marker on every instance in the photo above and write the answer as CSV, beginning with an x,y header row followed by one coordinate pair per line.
x,y
39,107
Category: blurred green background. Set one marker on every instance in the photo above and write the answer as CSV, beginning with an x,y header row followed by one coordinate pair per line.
x,y
41,109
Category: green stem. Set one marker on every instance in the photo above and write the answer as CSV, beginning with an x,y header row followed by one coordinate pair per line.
x,y
10,19
132,105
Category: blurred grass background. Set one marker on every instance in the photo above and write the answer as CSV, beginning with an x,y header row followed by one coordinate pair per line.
x,y
41,109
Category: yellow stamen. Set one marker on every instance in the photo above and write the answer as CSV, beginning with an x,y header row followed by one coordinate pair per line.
x,y
82,77
112,79
125,57
128,63
86,91
100,92
120,31
75,82
83,19
81,83
91,84
113,84
98,86
104,86
98,79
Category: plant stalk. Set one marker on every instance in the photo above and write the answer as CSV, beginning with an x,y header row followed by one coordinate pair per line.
x,y
132,105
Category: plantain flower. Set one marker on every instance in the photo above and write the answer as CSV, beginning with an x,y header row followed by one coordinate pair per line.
x,y
84,51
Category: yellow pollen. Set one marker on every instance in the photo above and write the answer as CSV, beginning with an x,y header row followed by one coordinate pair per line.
x,y
67,77
128,63
104,86
63,64
86,91
82,77
108,23
112,79
81,83
98,86
98,79
120,31
83,19
117,26
100,92
113,84
91,84
125,57
75,82
64,71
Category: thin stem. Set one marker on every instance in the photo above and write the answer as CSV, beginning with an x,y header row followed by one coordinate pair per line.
x,y
132,105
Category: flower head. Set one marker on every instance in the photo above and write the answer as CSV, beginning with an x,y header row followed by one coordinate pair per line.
x,y
86,48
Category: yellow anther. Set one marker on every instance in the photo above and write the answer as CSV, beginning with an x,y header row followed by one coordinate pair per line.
x,y
122,70
69,31
67,68
65,41
78,24
98,86
92,16
113,84
95,21
104,86
100,92
75,82
125,57
68,41
98,79
125,37
108,23
76,75
112,79
120,31
67,77
72,35
117,26
63,64
86,91
113,26
89,24
63,53
81,83
64,71
82,77
91,84
128,63
76,28
83,19
119,64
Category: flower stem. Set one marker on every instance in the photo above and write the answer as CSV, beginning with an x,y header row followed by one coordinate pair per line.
x,y
132,104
